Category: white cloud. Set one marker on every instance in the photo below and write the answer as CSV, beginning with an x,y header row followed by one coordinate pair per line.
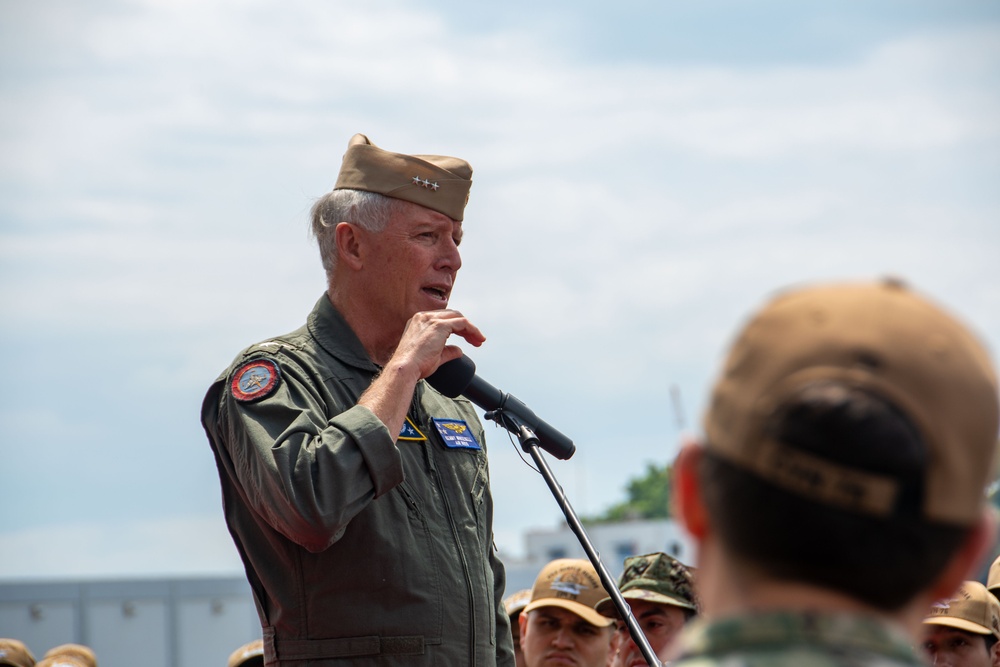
x,y
158,159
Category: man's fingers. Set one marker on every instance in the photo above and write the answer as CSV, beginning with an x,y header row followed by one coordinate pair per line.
x,y
425,340
456,323
450,353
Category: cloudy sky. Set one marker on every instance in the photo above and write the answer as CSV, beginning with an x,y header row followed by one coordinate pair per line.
x,y
646,171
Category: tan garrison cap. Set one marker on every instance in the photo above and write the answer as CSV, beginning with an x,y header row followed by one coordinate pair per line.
x,y
993,578
82,653
880,337
571,584
973,609
656,578
251,653
437,182
14,652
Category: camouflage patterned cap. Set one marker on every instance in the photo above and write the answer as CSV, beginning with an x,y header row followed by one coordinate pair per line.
x,y
655,578
80,652
14,652
972,608
250,654
437,182
879,337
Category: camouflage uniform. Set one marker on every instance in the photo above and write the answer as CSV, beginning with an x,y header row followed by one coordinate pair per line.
x,y
795,639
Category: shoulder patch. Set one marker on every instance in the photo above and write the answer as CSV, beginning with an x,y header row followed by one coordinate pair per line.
x,y
254,380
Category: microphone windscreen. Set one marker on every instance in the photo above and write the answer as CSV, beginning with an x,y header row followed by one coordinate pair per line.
x,y
452,377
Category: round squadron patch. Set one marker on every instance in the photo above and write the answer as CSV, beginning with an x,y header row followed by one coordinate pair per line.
x,y
254,380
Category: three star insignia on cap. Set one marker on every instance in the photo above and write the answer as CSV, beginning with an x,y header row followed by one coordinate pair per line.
x,y
424,183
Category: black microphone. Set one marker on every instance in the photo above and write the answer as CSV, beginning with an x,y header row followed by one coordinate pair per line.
x,y
458,376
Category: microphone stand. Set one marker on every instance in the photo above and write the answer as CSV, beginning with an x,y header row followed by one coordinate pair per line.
x,y
529,443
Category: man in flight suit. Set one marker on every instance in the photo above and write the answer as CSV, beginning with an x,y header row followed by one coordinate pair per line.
x,y
358,496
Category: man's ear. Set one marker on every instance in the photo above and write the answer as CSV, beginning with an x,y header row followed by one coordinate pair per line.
x,y
686,491
995,654
522,621
349,244
968,557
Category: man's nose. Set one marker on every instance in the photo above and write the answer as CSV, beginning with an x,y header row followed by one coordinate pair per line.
x,y
940,659
564,637
450,256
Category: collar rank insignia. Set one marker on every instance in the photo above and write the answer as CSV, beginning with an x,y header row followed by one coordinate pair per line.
x,y
456,434
254,380
410,431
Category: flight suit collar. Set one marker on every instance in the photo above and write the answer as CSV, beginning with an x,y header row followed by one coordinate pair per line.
x,y
335,335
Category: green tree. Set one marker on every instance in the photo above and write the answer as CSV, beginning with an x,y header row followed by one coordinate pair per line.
x,y
648,497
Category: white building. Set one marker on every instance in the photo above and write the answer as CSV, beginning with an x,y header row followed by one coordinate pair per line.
x,y
614,542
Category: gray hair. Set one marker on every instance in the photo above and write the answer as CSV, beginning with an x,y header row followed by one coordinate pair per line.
x,y
369,210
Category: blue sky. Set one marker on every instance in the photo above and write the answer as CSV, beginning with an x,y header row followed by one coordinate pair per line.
x,y
645,173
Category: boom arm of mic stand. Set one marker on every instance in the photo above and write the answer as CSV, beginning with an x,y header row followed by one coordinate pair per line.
x,y
529,443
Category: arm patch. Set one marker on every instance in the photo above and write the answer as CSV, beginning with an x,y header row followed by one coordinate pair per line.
x,y
255,380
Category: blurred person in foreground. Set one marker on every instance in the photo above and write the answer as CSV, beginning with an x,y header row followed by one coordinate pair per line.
x,y
514,604
357,495
839,490
560,625
963,630
659,590
14,652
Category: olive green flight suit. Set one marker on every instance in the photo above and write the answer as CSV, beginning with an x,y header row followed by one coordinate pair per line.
x,y
359,550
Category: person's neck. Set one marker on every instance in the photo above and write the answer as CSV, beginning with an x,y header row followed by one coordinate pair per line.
x,y
378,342
728,589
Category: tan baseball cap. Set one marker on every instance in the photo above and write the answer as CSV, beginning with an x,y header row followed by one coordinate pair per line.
x,y
82,653
15,652
993,578
251,653
437,182
62,660
515,603
571,584
881,337
973,609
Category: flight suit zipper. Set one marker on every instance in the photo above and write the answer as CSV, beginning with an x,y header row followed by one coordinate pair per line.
x,y
432,453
